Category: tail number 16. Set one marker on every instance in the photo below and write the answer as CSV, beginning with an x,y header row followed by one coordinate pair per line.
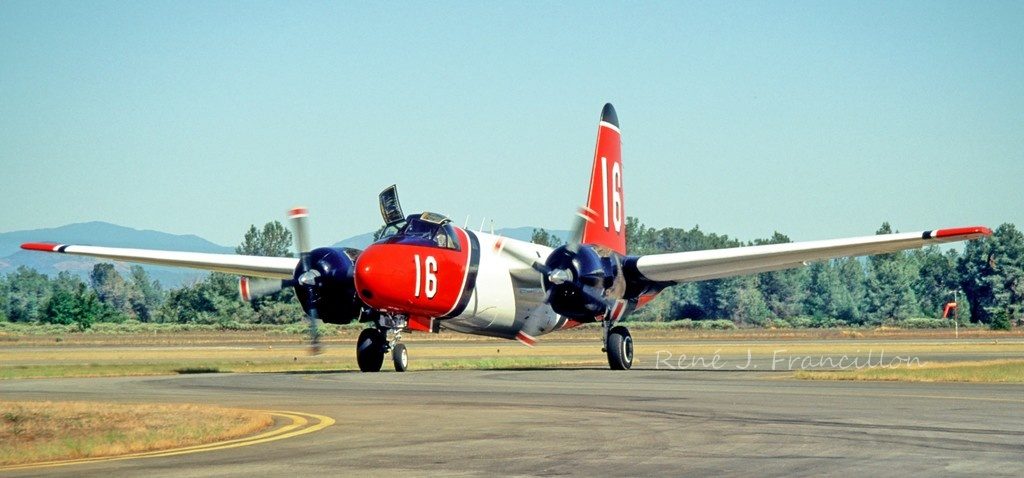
x,y
615,185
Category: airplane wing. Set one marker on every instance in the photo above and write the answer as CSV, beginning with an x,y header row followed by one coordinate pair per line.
x,y
719,263
252,266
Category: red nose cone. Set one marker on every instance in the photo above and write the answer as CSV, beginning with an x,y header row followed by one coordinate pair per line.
x,y
379,280
411,279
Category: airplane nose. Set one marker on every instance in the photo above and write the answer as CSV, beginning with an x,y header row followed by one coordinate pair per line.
x,y
376,279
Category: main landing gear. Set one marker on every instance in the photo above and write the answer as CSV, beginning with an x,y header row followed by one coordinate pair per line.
x,y
618,344
377,341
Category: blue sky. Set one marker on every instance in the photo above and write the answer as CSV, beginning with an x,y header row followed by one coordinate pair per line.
x,y
816,119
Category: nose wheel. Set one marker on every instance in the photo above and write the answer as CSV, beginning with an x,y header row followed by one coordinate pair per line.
x,y
370,350
373,344
401,358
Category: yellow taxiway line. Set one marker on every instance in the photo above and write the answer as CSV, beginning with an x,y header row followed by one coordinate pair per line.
x,y
298,426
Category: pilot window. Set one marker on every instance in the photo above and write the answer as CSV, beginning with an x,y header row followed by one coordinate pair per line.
x,y
427,233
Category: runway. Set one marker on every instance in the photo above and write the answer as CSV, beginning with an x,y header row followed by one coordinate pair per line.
x,y
589,422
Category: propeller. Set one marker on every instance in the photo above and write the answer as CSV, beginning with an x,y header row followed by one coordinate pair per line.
x,y
305,275
253,288
322,280
568,270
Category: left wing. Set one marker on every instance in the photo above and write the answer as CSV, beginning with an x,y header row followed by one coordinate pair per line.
x,y
720,263
252,266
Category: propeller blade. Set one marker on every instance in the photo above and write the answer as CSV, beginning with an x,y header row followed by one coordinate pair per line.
x,y
300,217
300,228
314,333
576,233
250,289
523,255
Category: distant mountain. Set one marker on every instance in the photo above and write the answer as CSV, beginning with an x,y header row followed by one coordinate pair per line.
x,y
105,234
524,233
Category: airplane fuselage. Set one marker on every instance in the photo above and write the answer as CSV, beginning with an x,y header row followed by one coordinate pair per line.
x,y
461,282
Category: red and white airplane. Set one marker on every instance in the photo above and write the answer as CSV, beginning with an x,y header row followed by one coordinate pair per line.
x,y
425,273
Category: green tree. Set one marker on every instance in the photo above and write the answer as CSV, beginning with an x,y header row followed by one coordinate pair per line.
x,y
749,306
889,292
937,279
61,308
544,238
853,277
147,294
273,240
976,270
829,294
27,293
214,300
635,236
823,289
783,291
992,274
1008,254
73,306
5,299
112,290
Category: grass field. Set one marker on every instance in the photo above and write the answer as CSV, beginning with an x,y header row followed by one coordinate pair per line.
x,y
242,353
32,432
135,333
993,371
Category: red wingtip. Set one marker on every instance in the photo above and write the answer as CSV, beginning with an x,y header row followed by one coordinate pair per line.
x,y
40,246
964,231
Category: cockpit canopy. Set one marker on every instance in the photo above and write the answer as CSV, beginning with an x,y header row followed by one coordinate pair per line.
x,y
426,229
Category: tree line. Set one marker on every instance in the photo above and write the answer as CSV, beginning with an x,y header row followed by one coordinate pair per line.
x,y
897,288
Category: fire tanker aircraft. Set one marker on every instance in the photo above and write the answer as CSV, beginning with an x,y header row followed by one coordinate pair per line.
x,y
425,273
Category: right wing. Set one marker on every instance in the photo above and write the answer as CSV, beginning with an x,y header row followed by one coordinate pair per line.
x,y
720,263
251,266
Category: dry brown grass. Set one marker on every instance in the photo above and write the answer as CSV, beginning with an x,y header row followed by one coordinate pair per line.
x,y
32,432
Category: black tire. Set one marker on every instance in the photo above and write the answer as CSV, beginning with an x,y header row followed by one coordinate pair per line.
x,y
620,348
401,358
370,350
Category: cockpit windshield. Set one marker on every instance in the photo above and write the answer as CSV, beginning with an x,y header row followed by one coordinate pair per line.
x,y
427,229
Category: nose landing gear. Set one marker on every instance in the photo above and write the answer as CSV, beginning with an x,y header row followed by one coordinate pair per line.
x,y
374,343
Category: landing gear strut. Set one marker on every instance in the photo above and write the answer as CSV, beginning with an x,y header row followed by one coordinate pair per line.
x,y
618,344
375,342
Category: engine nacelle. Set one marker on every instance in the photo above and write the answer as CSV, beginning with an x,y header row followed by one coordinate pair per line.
x,y
334,294
579,296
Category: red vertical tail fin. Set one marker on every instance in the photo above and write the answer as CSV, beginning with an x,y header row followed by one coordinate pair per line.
x,y
605,213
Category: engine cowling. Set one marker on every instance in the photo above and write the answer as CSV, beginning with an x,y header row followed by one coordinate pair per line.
x,y
332,290
579,294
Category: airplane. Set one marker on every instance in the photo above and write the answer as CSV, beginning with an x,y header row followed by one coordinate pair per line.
x,y
425,274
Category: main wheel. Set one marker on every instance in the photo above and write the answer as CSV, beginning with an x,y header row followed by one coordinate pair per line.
x,y
620,348
400,357
370,350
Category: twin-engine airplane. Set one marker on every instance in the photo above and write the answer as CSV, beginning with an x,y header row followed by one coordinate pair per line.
x,y
426,274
